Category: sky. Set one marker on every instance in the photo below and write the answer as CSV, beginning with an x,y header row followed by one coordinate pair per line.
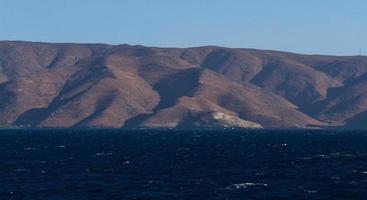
x,y
337,27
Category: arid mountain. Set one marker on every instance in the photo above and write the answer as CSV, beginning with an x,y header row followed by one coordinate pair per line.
x,y
98,85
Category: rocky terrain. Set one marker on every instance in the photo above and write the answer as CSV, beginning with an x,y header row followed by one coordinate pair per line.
x,y
98,85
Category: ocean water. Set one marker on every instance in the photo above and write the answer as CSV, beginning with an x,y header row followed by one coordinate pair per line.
x,y
173,165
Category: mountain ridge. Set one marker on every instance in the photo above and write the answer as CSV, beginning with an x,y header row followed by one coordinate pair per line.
x,y
101,85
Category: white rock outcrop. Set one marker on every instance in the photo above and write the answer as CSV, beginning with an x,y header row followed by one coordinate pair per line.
x,y
224,120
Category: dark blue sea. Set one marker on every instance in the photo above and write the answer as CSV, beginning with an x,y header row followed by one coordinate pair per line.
x,y
187,164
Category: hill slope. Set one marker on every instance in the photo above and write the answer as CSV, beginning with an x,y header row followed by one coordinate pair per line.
x,y
98,85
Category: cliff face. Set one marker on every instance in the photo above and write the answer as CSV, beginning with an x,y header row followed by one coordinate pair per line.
x,y
97,85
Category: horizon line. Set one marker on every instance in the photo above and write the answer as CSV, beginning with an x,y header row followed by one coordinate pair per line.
x,y
360,54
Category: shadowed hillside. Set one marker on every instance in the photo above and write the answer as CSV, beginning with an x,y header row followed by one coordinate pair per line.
x,y
97,85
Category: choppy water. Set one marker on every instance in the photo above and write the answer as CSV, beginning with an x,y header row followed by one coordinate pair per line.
x,y
113,164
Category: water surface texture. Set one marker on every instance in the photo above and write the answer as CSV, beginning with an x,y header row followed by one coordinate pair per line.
x,y
166,165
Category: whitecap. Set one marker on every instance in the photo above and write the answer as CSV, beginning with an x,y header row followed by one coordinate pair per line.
x,y
240,186
104,154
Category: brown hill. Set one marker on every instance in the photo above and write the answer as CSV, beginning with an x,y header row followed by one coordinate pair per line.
x,y
97,85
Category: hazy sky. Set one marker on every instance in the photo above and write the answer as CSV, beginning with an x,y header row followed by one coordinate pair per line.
x,y
305,26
